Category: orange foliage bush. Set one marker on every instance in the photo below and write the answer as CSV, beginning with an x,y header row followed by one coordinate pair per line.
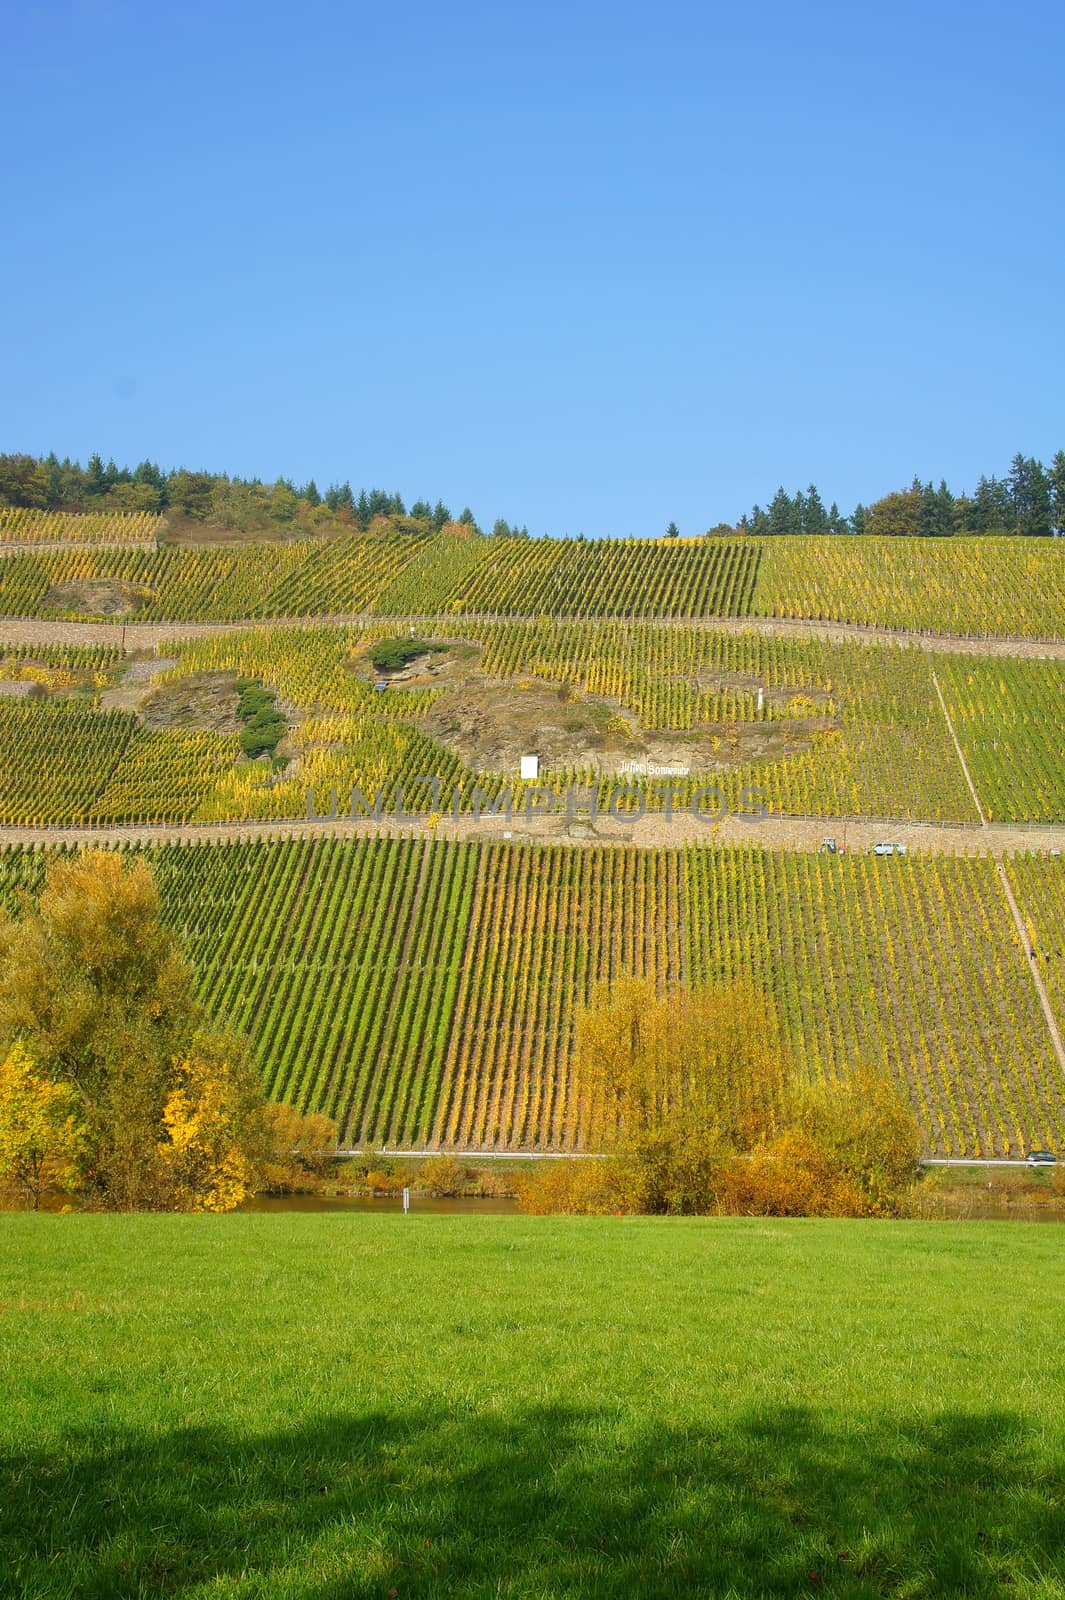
x,y
789,1176
573,1188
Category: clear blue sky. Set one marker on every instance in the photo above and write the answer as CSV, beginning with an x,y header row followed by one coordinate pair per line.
x,y
585,266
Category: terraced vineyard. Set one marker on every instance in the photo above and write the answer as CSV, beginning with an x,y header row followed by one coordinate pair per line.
x,y
1009,716
980,585
624,578
818,728
310,578
21,526
65,761
847,729
424,992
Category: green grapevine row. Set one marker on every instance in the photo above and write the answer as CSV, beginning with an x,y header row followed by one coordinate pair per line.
x,y
1014,587
425,993
21,526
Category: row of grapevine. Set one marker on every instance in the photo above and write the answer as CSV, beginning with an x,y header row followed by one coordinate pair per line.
x,y
19,525
57,758
67,761
424,992
436,579
1009,716
1039,885
1013,587
72,658
352,573
611,577
212,583
342,960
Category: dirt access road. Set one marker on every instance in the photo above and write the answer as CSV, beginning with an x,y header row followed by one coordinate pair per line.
x,y
652,832
139,636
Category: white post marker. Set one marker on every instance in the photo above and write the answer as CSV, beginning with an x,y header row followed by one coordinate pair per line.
x,y
529,770
406,1201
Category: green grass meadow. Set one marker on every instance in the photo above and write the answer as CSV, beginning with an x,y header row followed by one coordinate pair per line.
x,y
346,1406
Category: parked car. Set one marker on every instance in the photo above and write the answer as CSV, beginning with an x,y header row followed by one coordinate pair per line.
x,y
1041,1158
886,849
829,847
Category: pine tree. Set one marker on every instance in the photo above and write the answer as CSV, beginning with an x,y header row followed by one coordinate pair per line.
x,y
815,519
1057,492
1029,489
95,477
780,512
673,532
797,514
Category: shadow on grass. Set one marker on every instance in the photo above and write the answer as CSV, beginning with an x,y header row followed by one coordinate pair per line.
x,y
547,1502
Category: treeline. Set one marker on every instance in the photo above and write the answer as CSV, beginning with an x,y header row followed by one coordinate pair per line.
x,y
1029,500
246,504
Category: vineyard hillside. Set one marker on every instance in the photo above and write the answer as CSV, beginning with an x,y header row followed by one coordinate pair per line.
x,y
407,928
424,993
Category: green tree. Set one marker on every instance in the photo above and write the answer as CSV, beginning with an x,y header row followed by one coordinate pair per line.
x,y
673,532
1057,492
1030,495
815,518
780,513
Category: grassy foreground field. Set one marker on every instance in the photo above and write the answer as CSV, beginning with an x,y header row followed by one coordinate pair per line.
x,y
362,1406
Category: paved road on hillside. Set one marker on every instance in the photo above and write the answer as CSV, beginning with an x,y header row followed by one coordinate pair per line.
x,y
136,636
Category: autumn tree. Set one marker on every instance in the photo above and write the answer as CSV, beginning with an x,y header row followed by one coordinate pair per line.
x,y
42,1135
692,1099
95,987
673,1082
294,1149
211,1116
866,1127
896,515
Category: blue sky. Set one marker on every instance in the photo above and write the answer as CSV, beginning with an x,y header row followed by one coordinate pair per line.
x,y
586,266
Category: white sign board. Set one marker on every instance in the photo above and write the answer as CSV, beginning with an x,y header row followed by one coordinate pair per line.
x,y
530,768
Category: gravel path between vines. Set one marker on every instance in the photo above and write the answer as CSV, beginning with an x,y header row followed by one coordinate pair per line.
x,y
652,833
136,636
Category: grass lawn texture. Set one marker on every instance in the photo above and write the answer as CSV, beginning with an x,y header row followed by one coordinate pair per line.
x,y
326,1406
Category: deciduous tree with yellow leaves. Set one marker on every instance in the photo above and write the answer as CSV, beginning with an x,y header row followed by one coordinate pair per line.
x,y
98,1013
42,1135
